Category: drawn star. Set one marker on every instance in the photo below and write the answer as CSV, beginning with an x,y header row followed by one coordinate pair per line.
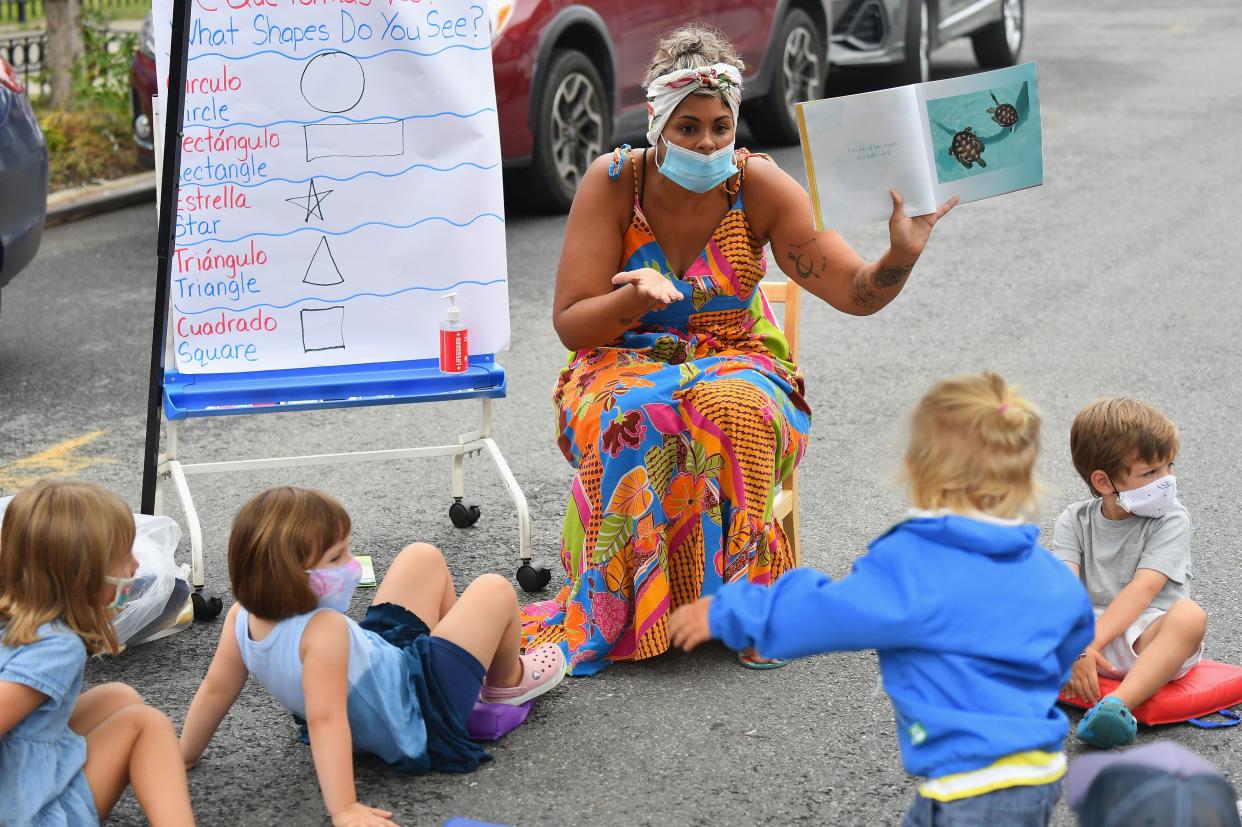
x,y
312,202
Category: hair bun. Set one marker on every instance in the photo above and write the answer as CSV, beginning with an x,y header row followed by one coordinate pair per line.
x,y
1012,414
692,46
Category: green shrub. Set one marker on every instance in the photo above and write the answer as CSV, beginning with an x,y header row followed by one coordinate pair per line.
x,y
93,141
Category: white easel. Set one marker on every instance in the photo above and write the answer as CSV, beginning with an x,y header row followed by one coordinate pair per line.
x,y
531,577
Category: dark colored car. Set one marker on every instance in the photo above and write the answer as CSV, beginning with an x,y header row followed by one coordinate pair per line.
x,y
141,89
23,177
902,34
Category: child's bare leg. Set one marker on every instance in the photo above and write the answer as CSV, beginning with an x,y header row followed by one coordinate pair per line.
x,y
137,745
1162,649
97,704
485,623
419,580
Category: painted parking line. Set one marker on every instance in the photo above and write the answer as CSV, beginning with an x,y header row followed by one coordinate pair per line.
x,y
61,460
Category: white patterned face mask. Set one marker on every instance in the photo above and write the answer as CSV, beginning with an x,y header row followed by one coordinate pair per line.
x,y
1152,500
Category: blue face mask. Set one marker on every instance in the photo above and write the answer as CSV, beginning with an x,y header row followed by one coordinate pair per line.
x,y
695,171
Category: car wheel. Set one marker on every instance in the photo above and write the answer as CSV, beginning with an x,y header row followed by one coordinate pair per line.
x,y
801,66
573,122
916,67
999,44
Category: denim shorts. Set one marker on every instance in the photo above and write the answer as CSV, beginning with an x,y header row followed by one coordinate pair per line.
x,y
1025,806
456,672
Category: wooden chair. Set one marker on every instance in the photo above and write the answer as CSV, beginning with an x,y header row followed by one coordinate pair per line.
x,y
785,506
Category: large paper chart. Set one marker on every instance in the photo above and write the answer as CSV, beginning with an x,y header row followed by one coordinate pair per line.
x,y
340,172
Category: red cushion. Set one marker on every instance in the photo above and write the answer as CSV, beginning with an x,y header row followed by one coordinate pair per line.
x,y
1207,688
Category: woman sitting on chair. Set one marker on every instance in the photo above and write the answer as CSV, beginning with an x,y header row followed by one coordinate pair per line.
x,y
680,408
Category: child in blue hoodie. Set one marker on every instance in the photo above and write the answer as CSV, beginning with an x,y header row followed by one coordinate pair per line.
x,y
975,624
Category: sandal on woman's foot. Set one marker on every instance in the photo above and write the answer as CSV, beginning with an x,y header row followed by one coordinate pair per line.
x,y
751,660
542,669
1108,724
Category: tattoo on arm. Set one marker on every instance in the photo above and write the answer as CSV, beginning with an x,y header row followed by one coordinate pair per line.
x,y
808,259
867,286
886,277
862,292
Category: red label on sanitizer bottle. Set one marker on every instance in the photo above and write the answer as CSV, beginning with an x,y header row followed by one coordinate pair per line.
x,y
454,351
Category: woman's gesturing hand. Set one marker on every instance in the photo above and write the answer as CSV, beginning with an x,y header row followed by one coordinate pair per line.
x,y
652,285
907,236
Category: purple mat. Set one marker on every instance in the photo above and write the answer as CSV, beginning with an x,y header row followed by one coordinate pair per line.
x,y
488,722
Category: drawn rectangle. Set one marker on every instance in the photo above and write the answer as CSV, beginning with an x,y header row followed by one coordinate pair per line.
x,y
323,328
354,140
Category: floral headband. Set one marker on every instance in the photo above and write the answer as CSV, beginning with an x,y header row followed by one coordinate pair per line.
x,y
667,91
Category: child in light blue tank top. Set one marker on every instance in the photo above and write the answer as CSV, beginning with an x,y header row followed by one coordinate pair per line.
x,y
65,755
399,685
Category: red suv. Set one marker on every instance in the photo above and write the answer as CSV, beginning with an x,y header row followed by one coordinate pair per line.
x,y
569,75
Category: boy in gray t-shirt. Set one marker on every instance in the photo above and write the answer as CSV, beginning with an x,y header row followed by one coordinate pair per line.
x,y
1130,545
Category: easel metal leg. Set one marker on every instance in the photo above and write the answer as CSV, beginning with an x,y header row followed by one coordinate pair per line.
x,y
191,517
459,475
160,474
515,491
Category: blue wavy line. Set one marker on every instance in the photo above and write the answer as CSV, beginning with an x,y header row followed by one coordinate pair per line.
x,y
333,301
318,52
345,232
377,118
341,180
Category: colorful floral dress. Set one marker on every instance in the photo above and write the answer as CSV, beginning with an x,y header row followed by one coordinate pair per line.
x,y
681,432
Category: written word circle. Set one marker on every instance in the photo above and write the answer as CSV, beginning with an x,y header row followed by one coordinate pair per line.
x,y
333,82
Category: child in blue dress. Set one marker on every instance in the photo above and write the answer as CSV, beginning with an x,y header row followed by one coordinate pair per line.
x,y
399,685
65,758
975,624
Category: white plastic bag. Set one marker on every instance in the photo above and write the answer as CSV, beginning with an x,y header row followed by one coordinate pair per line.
x,y
155,547
155,544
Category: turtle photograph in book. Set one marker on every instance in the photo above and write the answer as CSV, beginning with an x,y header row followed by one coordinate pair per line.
x,y
970,137
982,131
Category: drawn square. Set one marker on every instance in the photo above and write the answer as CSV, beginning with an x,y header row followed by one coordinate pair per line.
x,y
323,328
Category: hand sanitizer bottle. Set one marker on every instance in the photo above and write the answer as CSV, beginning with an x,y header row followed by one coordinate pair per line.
x,y
454,349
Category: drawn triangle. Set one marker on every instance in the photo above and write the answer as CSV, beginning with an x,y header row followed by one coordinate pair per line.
x,y
322,269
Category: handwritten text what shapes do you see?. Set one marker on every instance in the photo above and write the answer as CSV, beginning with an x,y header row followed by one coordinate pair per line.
x,y
267,29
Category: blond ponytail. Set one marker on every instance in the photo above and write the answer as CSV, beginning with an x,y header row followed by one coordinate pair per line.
x,y
973,445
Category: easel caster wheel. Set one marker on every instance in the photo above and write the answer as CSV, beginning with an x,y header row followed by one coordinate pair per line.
x,y
533,577
207,606
463,516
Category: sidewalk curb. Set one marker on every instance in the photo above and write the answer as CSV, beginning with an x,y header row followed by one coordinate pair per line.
x,y
83,202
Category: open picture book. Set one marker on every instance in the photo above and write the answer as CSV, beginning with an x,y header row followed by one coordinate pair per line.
x,y
974,137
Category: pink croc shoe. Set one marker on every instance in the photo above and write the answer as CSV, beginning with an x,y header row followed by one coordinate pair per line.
x,y
542,669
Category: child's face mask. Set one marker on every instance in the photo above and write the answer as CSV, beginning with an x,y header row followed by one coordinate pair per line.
x,y
1152,500
334,587
124,585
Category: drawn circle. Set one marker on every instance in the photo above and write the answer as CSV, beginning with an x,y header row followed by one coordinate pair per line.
x,y
333,82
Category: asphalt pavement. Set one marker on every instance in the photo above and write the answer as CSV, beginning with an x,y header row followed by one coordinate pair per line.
x,y
1115,277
